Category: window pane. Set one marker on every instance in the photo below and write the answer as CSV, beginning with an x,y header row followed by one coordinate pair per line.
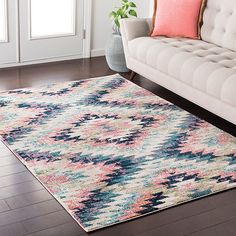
x,y
52,18
3,21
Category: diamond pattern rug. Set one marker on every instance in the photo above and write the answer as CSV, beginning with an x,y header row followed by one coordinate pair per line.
x,y
110,151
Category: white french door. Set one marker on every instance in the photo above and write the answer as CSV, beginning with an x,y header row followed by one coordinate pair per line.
x,y
50,29
35,30
8,31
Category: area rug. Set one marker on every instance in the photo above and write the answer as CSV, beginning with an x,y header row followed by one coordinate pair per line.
x,y
110,151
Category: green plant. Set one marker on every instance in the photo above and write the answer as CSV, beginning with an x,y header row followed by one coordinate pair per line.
x,y
126,10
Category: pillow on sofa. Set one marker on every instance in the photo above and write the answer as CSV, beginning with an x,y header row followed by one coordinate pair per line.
x,y
178,18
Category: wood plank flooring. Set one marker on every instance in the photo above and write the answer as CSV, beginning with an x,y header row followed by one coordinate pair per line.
x,y
27,209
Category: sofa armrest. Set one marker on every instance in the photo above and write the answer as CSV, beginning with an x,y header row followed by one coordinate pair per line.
x,y
132,28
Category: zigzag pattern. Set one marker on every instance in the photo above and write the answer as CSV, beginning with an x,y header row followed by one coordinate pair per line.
x,y
110,151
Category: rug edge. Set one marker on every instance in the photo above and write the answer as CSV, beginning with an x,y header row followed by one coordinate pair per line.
x,y
61,82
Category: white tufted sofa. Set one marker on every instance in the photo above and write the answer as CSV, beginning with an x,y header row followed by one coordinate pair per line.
x,y
202,71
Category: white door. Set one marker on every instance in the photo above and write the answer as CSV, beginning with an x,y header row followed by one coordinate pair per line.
x,y
8,32
50,29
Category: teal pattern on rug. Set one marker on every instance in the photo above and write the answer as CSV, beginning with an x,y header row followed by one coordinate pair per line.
x,y
110,151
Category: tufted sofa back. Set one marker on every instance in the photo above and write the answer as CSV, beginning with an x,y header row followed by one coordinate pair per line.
x,y
219,23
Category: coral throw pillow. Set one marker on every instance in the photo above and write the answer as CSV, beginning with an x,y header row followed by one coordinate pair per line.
x,y
178,18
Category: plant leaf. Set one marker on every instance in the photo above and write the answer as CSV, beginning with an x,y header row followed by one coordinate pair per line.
x,y
132,4
117,22
133,13
113,14
126,9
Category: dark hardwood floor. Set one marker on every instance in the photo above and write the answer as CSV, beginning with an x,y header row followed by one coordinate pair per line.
x,y
26,208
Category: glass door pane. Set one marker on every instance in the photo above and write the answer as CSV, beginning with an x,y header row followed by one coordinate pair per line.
x,y
51,29
52,18
3,21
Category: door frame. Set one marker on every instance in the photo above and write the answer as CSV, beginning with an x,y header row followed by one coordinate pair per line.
x,y
87,28
86,53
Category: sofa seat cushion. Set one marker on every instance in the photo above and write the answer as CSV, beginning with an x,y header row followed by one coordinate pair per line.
x,y
202,65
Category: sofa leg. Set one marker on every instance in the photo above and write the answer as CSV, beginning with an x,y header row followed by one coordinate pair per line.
x,y
132,75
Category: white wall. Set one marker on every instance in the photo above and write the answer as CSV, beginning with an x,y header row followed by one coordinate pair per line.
x,y
101,24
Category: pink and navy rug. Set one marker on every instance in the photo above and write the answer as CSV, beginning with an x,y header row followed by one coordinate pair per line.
x,y
110,151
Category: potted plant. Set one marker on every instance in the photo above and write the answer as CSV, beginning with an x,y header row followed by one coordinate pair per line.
x,y
114,51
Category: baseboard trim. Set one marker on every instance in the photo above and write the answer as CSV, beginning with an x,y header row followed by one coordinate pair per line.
x,y
94,53
41,61
97,52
